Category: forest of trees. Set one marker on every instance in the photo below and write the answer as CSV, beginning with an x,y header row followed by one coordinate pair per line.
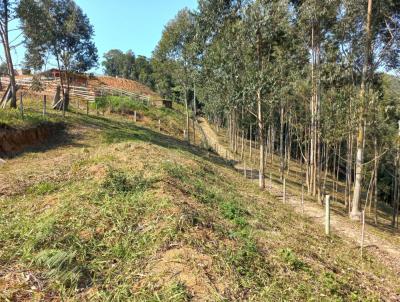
x,y
126,65
148,71
309,80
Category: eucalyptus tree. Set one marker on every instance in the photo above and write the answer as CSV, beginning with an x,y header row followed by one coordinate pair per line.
x,y
269,62
383,151
378,26
164,81
7,15
314,20
296,66
175,51
218,38
246,49
62,31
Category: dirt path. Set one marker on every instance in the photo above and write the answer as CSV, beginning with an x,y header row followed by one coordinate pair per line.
x,y
388,252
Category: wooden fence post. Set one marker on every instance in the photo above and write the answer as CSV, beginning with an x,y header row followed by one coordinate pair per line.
x,y
44,105
134,116
159,125
21,106
245,170
327,216
87,107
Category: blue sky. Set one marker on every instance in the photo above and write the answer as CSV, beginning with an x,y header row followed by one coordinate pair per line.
x,y
131,24
128,24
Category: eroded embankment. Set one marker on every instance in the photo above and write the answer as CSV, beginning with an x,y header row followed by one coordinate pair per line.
x,y
16,140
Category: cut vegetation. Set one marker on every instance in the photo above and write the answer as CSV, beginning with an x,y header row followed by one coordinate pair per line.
x,y
133,214
254,157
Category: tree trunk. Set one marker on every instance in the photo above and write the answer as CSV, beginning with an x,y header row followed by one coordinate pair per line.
x,y
250,142
261,140
66,95
272,144
338,170
65,100
281,142
242,149
260,116
7,52
288,145
313,109
395,191
355,212
57,97
376,180
307,149
194,114
187,116
318,155
235,143
326,149
355,207
396,186
334,181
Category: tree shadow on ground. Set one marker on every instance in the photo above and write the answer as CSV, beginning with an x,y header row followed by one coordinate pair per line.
x,y
59,136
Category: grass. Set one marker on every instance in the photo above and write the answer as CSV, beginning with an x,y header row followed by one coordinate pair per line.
x,y
12,118
132,214
43,188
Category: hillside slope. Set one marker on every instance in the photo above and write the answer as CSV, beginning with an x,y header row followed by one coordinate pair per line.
x,y
123,212
384,245
125,84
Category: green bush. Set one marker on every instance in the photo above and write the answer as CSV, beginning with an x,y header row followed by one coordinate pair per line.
x,y
119,104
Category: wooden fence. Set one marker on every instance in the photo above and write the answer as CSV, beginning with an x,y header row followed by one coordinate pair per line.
x,y
49,87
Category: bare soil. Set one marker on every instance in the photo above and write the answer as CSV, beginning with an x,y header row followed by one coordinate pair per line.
x,y
14,140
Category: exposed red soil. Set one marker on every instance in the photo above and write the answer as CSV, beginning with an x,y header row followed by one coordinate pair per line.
x,y
124,84
13,140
